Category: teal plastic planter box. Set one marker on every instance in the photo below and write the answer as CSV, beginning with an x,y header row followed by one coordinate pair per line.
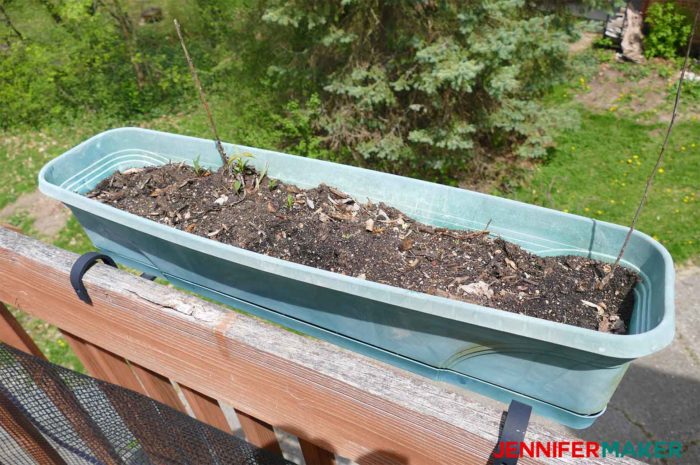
x,y
564,372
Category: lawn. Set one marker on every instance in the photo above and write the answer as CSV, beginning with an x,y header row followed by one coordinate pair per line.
x,y
600,170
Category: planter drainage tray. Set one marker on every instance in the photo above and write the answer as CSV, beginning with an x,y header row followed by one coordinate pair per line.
x,y
565,372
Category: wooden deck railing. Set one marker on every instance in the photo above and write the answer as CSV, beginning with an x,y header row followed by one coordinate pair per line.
x,y
151,338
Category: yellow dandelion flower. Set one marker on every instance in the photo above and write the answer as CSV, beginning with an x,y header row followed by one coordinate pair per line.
x,y
655,237
629,161
600,212
635,156
683,148
660,170
612,108
566,210
692,145
586,209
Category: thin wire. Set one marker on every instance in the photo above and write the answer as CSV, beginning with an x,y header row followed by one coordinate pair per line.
x,y
202,97
659,160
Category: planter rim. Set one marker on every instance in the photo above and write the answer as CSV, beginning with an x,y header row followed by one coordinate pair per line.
x,y
604,344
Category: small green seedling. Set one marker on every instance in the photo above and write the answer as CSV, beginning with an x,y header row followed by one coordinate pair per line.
x,y
238,164
197,167
272,184
290,201
237,186
260,177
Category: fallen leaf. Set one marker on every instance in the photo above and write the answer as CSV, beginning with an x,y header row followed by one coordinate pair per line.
x,y
214,233
445,294
600,309
271,208
337,192
479,289
309,203
511,263
133,171
369,225
340,216
406,244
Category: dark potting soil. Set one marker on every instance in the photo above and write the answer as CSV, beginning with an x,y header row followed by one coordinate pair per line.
x,y
325,228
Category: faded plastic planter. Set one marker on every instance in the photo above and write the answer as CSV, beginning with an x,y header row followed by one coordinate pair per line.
x,y
564,372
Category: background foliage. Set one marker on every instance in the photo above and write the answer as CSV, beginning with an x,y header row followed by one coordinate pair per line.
x,y
668,30
418,87
414,87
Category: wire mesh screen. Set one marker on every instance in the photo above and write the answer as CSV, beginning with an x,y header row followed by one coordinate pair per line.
x,y
52,415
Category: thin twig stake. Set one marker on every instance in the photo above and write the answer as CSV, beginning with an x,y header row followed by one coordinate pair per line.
x,y
659,160
202,97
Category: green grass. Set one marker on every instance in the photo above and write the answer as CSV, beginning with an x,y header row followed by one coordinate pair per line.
x,y
600,170
50,341
72,237
24,151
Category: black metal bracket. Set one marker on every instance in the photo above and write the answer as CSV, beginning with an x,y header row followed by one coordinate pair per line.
x,y
80,267
147,276
514,429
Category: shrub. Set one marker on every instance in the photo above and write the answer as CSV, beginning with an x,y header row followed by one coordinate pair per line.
x,y
419,87
80,63
604,42
668,30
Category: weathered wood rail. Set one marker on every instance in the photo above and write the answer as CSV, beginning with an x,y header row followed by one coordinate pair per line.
x,y
148,337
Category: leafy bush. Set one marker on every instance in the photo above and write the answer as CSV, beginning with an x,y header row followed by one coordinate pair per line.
x,y
421,86
604,42
82,61
668,30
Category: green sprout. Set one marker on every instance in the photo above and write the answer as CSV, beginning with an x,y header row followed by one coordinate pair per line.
x,y
237,186
272,184
290,201
197,167
239,163
260,177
